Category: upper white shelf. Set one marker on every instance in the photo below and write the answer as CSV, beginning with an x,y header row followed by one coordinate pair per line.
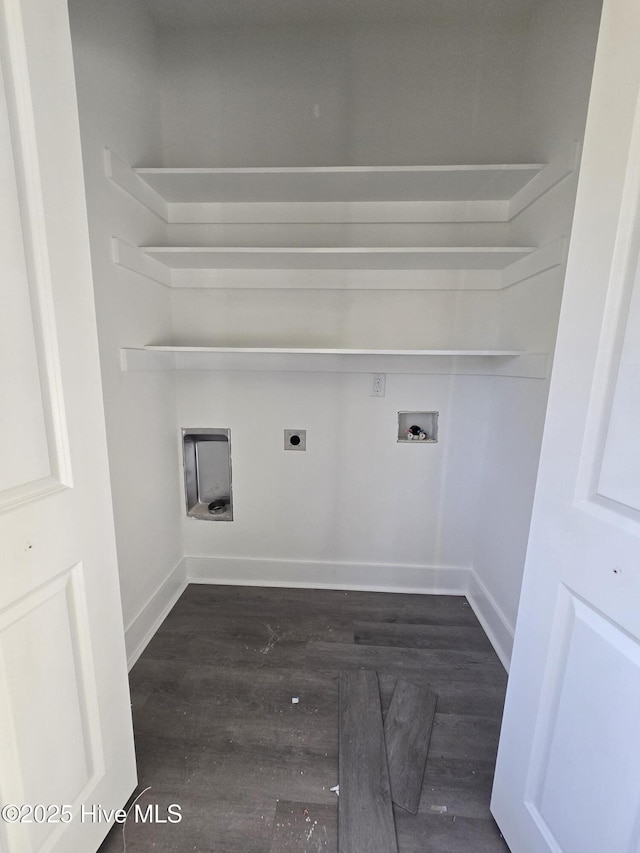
x,y
337,258
341,183
332,194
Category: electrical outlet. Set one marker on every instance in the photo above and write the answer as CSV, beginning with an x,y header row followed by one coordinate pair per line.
x,y
378,383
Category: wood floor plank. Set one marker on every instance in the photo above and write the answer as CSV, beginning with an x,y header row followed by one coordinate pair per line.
x,y
303,827
261,633
463,787
365,815
458,695
465,736
397,660
471,682
279,602
436,833
407,731
411,636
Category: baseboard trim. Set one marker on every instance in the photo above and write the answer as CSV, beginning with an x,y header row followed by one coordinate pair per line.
x,y
316,574
143,626
372,577
496,625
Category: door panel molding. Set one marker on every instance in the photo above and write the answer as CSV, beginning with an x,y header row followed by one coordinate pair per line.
x,y
24,138
593,494
583,760
39,725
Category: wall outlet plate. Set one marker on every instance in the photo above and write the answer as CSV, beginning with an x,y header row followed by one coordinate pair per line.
x,y
378,382
295,439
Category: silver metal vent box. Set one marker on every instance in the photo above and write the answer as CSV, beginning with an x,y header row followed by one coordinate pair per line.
x,y
207,473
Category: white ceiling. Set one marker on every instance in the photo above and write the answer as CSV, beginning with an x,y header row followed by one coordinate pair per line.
x,y
199,13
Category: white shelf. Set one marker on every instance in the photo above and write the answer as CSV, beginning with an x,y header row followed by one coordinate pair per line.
x,y
341,183
337,258
336,351
159,267
341,194
495,193
336,360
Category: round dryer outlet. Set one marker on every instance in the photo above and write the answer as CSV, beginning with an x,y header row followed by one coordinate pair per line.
x,y
295,439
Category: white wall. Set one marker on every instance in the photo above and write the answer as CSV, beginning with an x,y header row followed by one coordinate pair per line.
x,y
355,496
320,95
558,63
118,94
404,319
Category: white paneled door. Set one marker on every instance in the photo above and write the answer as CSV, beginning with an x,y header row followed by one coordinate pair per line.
x,y
568,772
65,724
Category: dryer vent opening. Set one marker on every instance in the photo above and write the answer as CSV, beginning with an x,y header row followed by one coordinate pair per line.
x,y
207,473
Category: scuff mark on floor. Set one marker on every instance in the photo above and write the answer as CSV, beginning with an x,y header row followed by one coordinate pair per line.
x,y
274,638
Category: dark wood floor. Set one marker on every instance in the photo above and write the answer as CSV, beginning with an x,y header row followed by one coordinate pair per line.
x,y
217,733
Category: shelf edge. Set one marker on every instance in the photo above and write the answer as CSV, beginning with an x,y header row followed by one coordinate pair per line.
x,y
525,365
348,280
339,351
335,170
337,212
